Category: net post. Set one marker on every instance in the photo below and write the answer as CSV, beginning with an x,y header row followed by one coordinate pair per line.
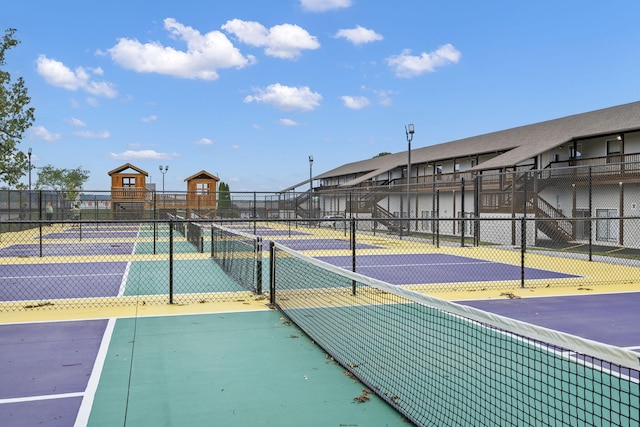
x,y
259,265
272,273
171,261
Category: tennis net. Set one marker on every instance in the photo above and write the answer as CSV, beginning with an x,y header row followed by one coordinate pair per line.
x,y
195,235
441,363
239,254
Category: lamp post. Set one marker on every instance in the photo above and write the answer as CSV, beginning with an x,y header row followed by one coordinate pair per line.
x,y
310,185
163,171
29,156
409,131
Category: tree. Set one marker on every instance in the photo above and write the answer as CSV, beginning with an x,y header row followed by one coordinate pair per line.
x,y
225,206
68,181
15,118
381,154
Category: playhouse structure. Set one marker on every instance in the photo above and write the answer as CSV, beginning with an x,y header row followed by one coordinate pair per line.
x,y
132,198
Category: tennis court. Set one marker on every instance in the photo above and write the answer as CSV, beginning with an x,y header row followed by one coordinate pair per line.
x,y
376,352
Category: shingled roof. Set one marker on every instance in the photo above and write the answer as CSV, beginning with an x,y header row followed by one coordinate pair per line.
x,y
518,144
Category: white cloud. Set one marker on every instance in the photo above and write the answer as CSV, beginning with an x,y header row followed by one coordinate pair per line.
x,y
355,102
142,154
384,97
93,135
235,147
204,141
284,41
42,133
93,102
324,5
407,65
286,97
76,122
57,74
359,35
205,54
288,122
149,119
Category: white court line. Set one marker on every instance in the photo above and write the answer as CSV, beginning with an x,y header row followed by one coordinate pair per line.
x,y
123,283
57,276
43,397
417,265
92,385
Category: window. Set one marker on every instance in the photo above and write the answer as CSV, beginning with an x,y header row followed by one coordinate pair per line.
x,y
606,225
614,149
128,182
202,188
575,151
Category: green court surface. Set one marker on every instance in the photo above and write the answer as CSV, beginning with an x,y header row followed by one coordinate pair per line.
x,y
227,369
150,278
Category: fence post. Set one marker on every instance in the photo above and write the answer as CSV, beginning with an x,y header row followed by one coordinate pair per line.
x,y
155,222
272,273
170,261
462,215
523,246
590,216
437,238
40,220
353,253
259,265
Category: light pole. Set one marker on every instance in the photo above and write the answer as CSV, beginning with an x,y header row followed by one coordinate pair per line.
x,y
163,171
29,156
409,131
310,185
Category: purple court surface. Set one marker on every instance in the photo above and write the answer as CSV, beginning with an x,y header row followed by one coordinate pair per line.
x,y
414,269
319,244
49,281
67,249
91,234
607,318
44,372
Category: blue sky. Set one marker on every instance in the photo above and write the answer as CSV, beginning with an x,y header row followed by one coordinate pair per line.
x,y
247,90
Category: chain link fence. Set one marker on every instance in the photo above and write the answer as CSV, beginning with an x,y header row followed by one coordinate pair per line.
x,y
67,263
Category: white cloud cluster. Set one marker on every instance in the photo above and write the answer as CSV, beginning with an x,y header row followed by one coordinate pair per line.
x,y
57,74
288,122
205,54
359,35
355,102
42,133
76,122
407,65
324,5
284,41
151,118
93,135
286,97
203,141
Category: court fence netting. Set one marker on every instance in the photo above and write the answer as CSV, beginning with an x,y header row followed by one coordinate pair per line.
x,y
89,263
436,362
